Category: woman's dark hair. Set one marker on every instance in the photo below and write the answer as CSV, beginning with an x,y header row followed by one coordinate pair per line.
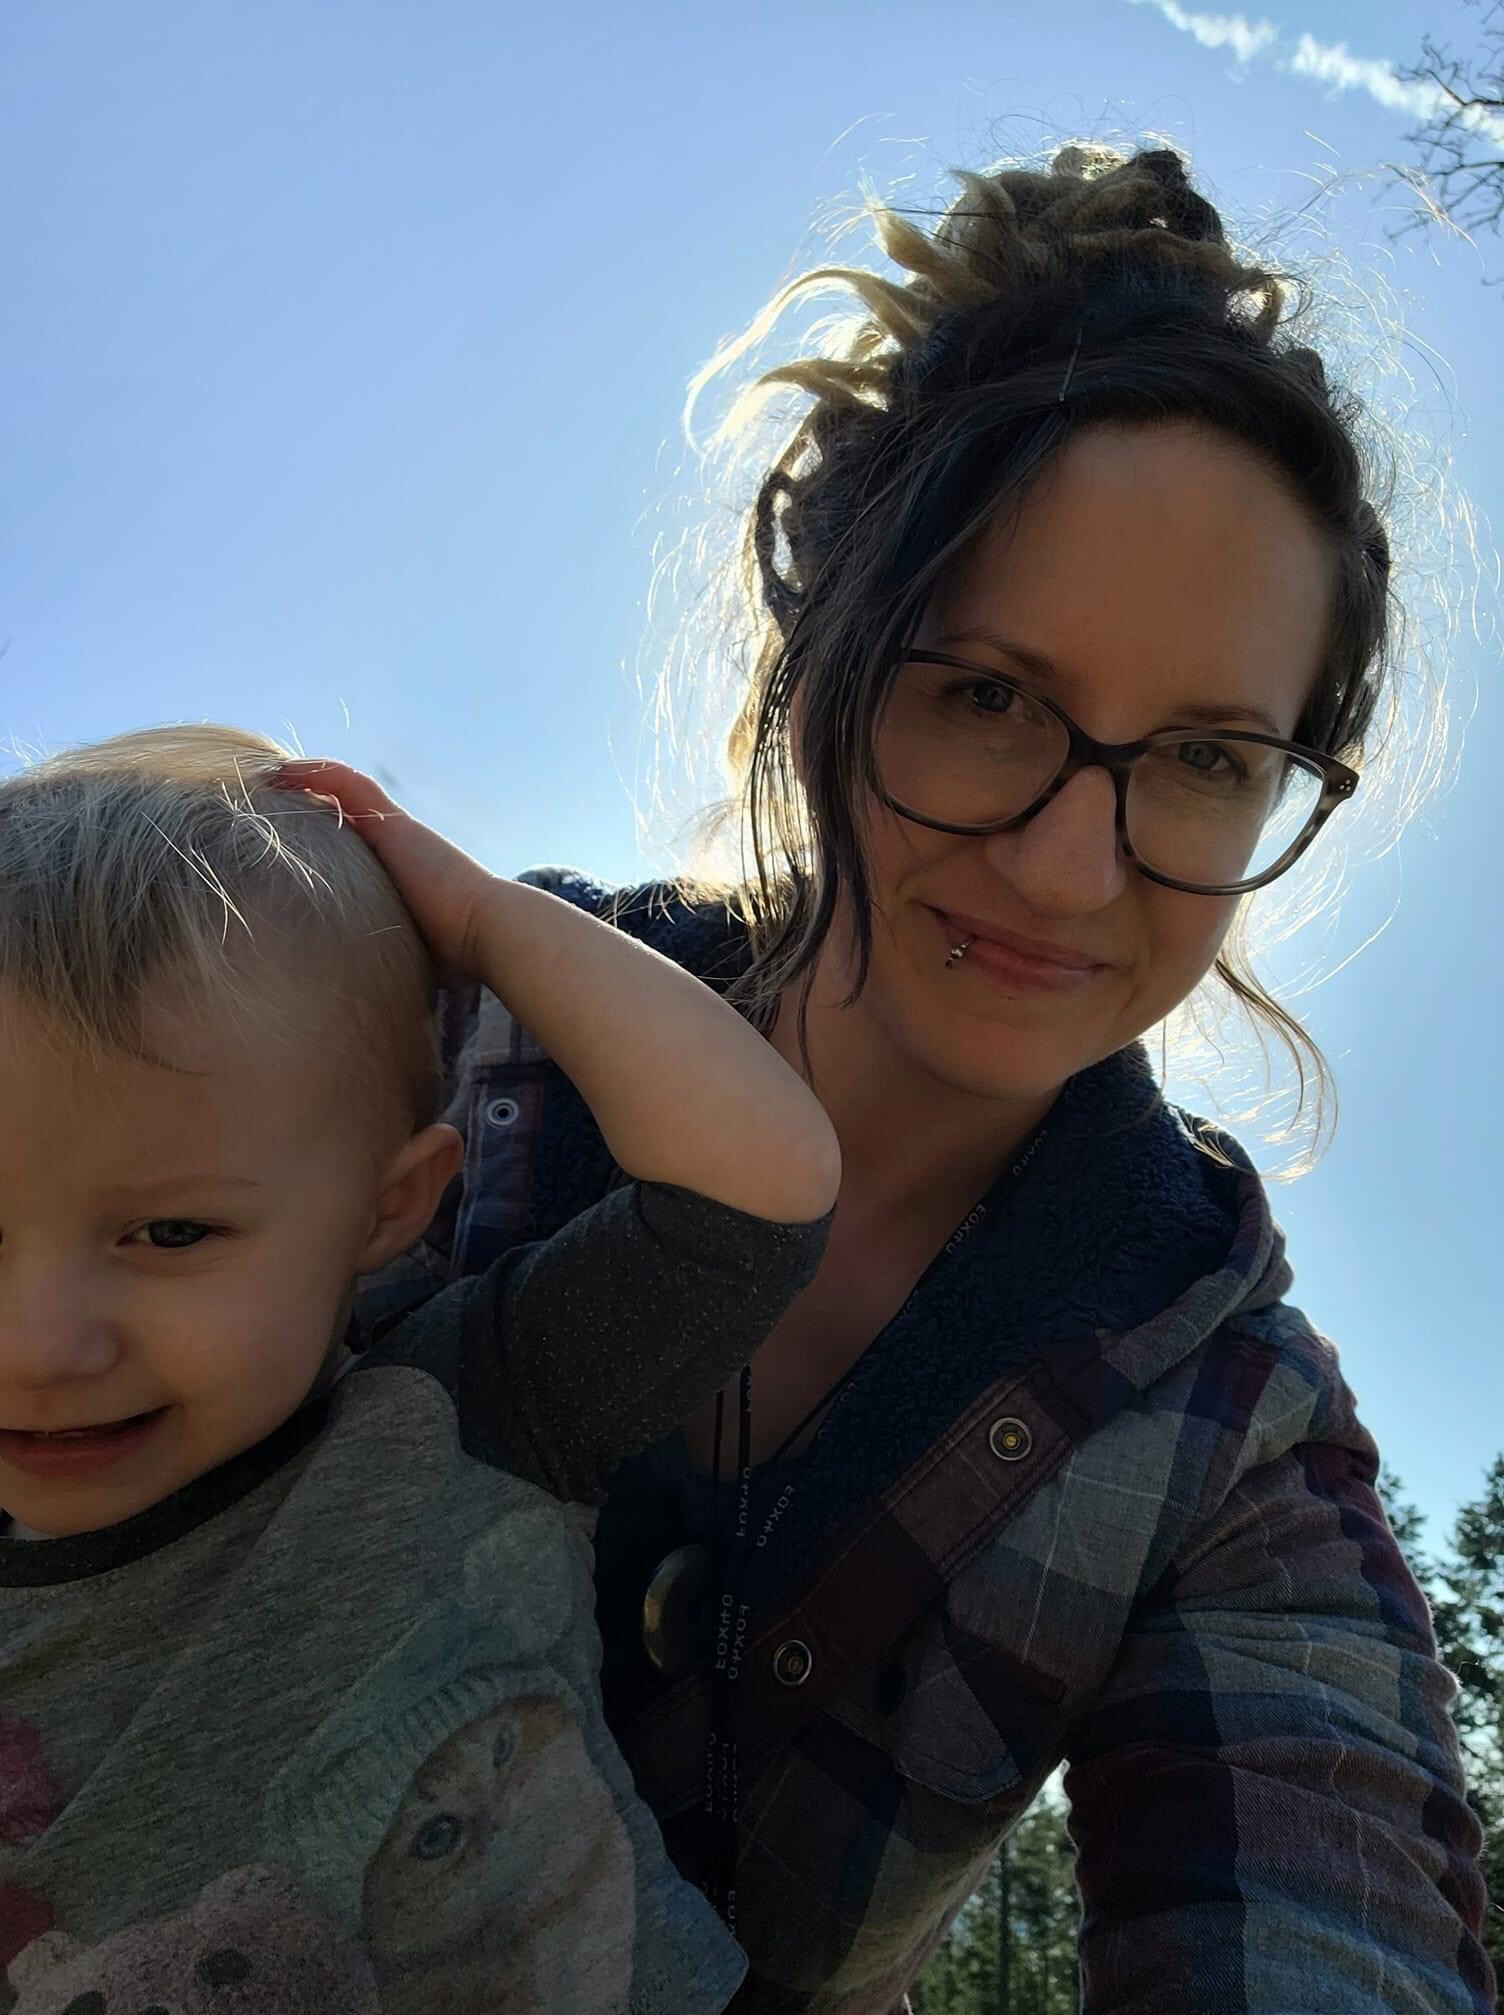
x,y
1108,279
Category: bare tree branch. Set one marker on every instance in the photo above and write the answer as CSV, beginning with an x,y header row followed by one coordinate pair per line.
x,y
1458,167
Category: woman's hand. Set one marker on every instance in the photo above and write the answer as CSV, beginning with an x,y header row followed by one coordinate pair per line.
x,y
447,892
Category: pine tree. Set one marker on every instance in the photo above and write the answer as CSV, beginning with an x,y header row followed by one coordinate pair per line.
x,y
1013,1949
1044,1914
1466,1592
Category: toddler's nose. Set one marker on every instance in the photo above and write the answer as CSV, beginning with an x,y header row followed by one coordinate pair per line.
x,y
49,1334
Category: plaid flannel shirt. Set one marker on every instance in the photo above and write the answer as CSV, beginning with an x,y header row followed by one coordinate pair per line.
x,y
1148,1546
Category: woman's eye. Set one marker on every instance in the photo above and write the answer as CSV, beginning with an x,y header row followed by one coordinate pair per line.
x,y
990,698
171,1234
1209,758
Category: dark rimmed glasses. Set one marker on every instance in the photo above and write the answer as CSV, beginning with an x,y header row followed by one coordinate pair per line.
x,y
1212,811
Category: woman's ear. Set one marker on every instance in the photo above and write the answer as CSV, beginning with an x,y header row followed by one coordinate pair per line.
x,y
415,1180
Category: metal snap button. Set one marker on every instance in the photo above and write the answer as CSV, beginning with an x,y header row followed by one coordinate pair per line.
x,y
793,1663
502,1112
1009,1439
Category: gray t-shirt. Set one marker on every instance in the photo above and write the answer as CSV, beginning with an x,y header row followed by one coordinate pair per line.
x,y
320,1734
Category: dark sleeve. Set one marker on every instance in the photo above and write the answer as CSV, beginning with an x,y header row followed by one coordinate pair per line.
x,y
1267,1798
596,1343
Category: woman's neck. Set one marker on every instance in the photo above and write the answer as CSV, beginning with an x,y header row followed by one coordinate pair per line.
x,y
907,1138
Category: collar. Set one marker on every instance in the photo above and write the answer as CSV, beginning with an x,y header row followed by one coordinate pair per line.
x,y
1116,1222
42,1563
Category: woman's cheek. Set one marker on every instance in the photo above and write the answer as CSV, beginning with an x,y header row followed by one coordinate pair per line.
x,y
1208,932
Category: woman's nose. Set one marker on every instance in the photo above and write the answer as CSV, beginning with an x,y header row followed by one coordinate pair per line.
x,y
1066,861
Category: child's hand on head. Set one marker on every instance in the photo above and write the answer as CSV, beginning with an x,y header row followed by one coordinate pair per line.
x,y
684,1091
443,887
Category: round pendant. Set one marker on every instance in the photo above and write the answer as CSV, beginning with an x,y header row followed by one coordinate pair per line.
x,y
673,1609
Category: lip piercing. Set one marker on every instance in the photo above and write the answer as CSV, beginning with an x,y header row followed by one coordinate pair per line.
x,y
958,952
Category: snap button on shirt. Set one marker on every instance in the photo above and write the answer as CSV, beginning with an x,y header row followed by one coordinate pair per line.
x,y
1009,1439
793,1663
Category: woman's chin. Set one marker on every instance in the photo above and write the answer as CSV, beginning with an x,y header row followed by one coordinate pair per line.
x,y
984,1039
1009,1063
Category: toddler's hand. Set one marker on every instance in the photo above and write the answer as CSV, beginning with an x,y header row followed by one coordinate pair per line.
x,y
445,890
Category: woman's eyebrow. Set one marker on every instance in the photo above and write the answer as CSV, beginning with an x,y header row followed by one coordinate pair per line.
x,y
1193,713
1032,661
1222,713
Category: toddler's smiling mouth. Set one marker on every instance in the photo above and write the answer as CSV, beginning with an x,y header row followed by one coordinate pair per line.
x,y
76,1451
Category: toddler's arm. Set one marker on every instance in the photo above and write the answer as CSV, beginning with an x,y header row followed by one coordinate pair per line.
x,y
683,1090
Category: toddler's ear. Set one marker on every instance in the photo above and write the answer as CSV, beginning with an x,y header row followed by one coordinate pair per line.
x,y
415,1180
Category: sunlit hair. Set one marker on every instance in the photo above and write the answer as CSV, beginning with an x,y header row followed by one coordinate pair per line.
x,y
1102,277
161,867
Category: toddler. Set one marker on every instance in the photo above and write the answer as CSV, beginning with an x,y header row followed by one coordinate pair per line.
x,y
298,1668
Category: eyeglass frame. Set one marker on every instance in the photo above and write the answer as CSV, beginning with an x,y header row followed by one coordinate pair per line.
x,y
1085,752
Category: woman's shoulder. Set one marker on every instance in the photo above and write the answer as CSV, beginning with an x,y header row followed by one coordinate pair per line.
x,y
584,890
698,928
1224,1353
698,931
1300,1395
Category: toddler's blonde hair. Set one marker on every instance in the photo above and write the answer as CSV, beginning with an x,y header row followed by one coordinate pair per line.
x,y
165,859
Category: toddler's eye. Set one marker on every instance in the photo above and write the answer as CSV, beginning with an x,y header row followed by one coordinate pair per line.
x,y
171,1234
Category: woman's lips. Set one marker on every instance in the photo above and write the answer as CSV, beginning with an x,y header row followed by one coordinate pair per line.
x,y
1016,964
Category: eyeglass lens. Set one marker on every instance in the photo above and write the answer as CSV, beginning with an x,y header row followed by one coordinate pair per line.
x,y
1214,808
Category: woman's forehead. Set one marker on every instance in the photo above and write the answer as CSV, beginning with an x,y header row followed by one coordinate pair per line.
x,y
1168,560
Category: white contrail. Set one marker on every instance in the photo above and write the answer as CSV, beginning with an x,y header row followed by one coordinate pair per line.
x,y
1330,63
1417,97
1245,38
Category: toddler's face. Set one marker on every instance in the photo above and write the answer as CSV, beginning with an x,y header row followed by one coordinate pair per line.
x,y
178,1242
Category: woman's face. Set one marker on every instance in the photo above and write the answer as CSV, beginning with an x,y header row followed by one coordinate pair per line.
x,y
1151,576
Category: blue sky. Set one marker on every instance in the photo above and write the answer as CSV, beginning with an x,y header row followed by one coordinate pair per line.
x,y
340,377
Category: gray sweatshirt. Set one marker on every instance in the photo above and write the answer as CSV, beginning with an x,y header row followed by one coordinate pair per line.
x,y
320,1734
